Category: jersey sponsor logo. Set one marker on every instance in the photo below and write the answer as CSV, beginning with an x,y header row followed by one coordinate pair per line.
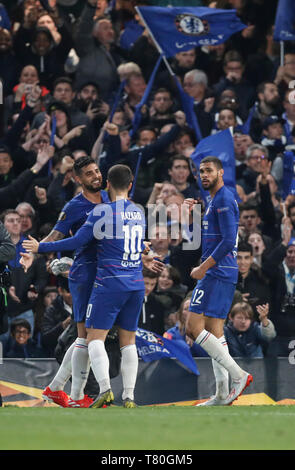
x,y
222,209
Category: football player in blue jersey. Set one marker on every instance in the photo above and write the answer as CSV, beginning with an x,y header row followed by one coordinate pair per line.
x,y
217,277
118,230
81,278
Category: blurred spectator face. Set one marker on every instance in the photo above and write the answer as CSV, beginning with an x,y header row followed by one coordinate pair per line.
x,y
241,144
290,257
88,93
146,137
6,163
274,131
125,141
249,219
228,99
160,239
12,223
61,118
162,102
292,215
21,335
101,6
49,298
255,159
26,215
270,95
193,89
136,87
186,59
104,32
181,144
256,240
289,66
226,119
235,69
45,21
149,284
78,154
167,190
241,322
5,40
63,92
42,141
42,43
179,172
65,295
29,75
244,260
218,50
119,118
164,281
289,107
174,204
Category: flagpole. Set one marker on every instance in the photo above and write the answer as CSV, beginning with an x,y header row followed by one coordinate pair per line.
x,y
282,52
160,50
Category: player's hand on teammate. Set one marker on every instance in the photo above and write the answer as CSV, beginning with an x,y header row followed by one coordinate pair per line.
x,y
31,245
151,263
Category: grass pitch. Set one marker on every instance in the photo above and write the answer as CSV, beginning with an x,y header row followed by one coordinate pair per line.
x,y
148,428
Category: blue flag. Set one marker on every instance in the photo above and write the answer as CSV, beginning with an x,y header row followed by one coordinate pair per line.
x,y
188,107
152,347
137,115
245,128
285,21
219,145
288,174
179,29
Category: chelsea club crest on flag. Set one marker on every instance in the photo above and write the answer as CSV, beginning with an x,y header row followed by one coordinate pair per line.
x,y
191,25
152,347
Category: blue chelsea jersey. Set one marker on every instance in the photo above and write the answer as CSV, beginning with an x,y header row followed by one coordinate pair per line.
x,y
71,218
117,231
220,235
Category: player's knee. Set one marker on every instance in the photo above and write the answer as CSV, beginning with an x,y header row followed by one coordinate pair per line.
x,y
194,326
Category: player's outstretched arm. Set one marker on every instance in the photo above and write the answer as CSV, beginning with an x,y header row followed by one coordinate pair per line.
x,y
27,259
82,237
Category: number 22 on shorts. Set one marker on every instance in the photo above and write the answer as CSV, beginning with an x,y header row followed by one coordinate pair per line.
x,y
198,294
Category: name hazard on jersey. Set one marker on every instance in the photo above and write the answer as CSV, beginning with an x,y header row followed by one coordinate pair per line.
x,y
131,215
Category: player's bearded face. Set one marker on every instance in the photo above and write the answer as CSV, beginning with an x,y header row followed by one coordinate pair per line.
x,y
209,177
92,179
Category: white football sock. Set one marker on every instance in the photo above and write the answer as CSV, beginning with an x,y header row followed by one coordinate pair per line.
x,y
129,367
212,346
64,372
80,368
221,374
99,362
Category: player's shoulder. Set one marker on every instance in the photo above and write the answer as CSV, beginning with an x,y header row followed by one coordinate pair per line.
x,y
225,198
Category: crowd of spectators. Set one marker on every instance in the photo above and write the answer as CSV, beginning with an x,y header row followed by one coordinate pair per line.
x,y
61,64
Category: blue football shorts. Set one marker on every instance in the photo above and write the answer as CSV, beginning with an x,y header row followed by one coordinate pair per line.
x,y
212,297
122,308
80,293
